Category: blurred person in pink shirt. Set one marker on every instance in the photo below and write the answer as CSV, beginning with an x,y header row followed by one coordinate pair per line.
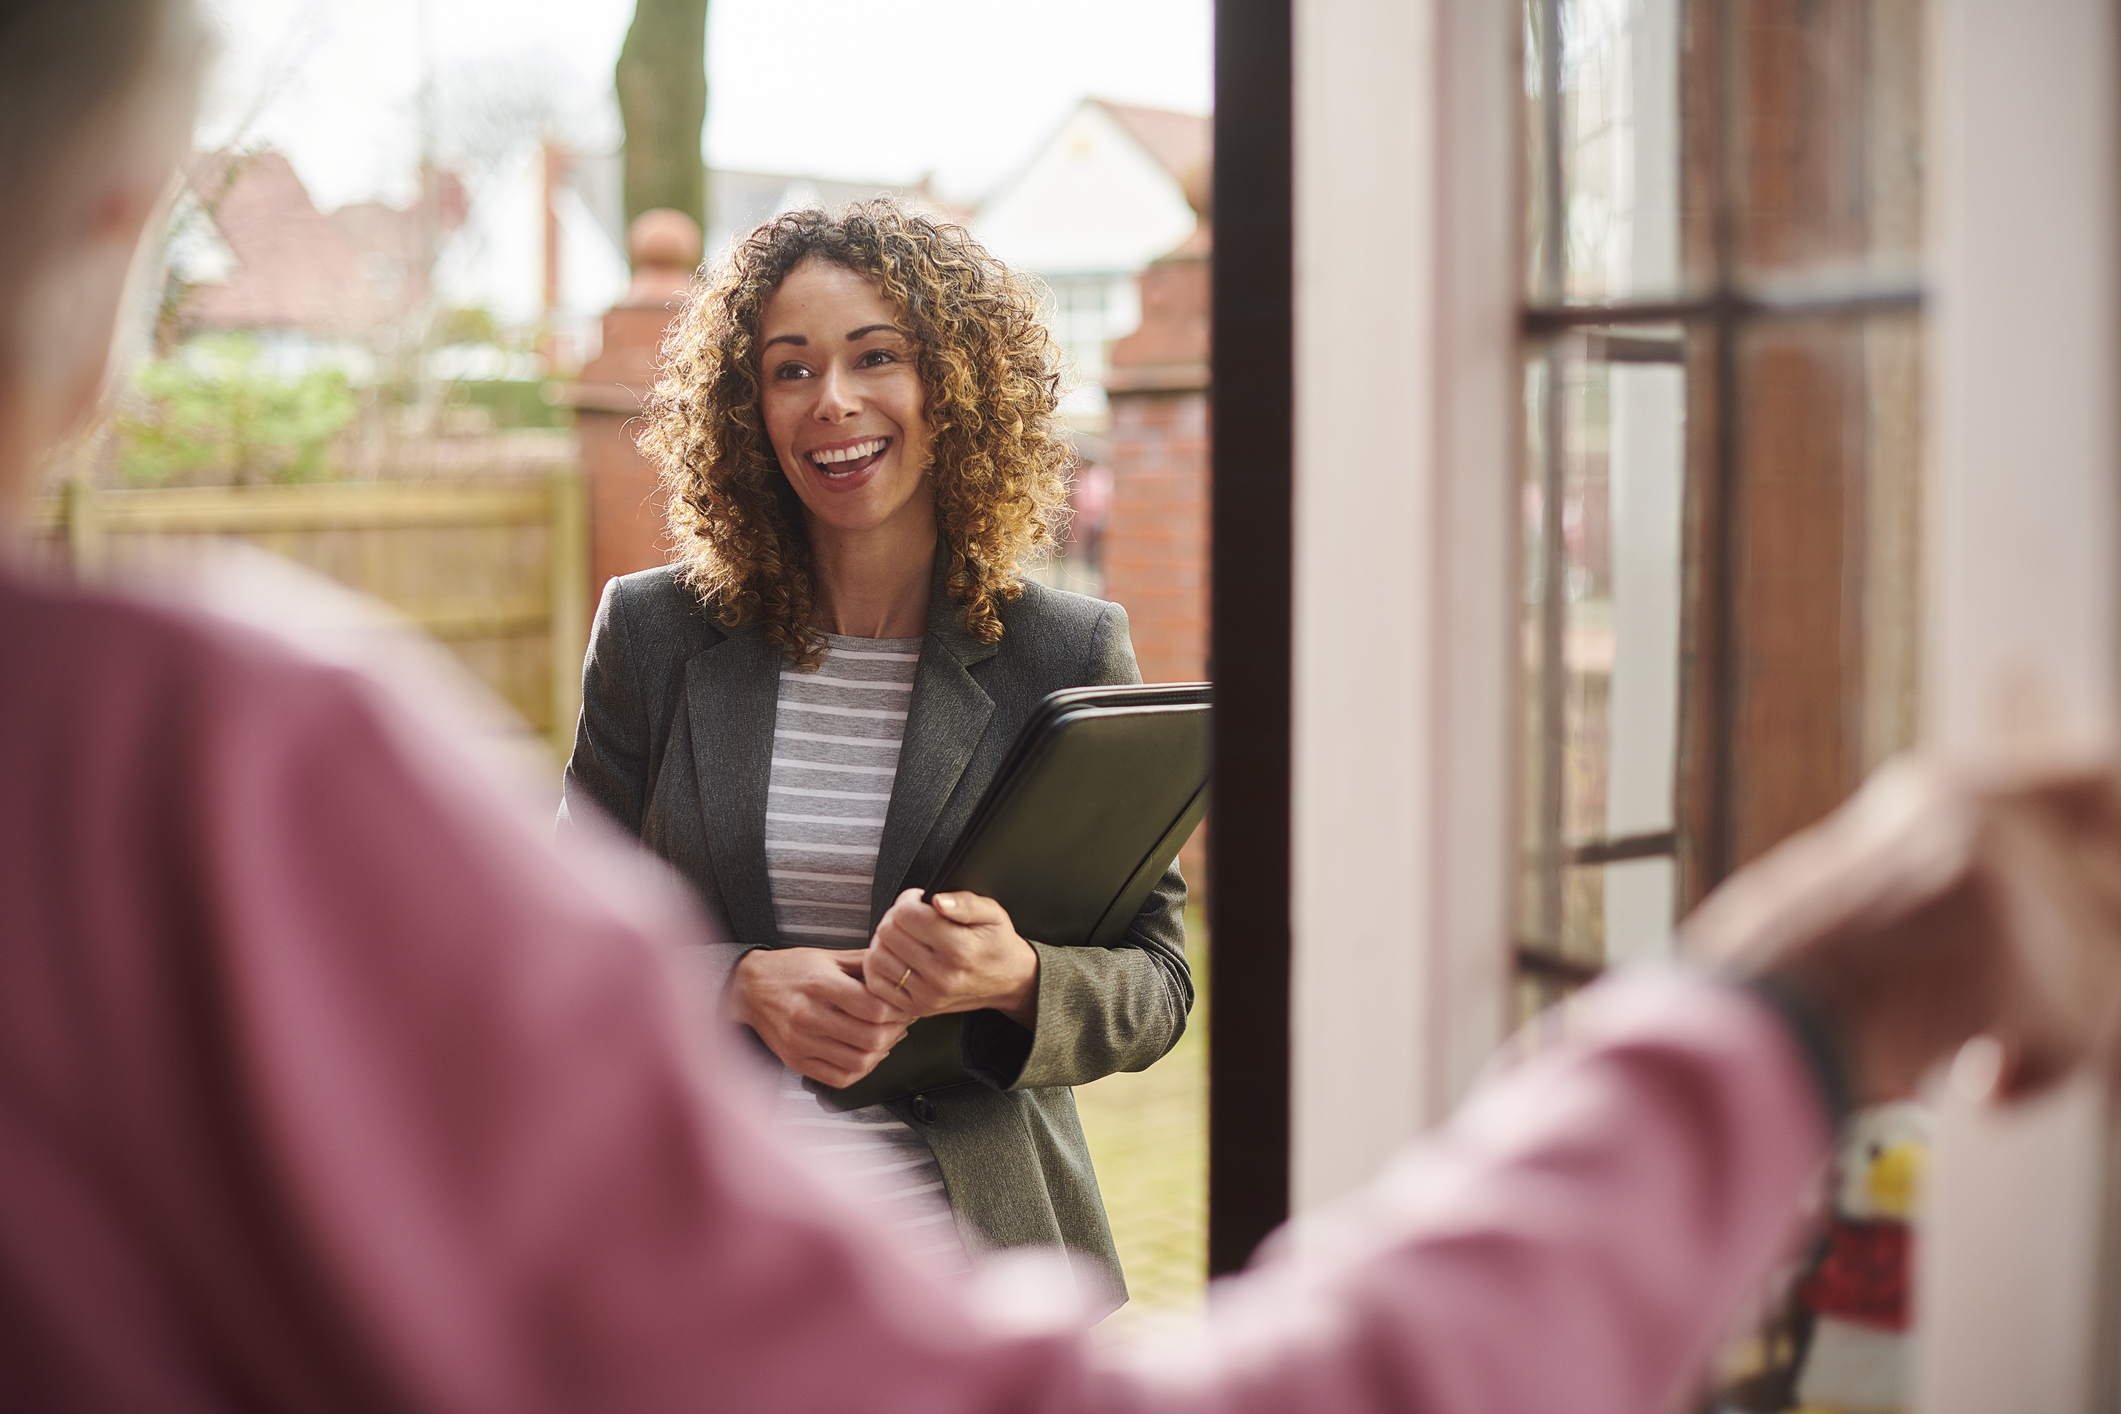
x,y
326,1084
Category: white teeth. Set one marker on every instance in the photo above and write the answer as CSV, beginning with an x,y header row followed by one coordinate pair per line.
x,y
850,454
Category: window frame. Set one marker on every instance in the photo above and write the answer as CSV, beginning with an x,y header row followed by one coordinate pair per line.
x,y
1715,317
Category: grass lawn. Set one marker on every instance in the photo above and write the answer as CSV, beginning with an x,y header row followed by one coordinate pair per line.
x,y
1148,1137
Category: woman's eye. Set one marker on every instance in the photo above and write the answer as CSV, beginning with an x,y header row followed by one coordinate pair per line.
x,y
791,370
875,357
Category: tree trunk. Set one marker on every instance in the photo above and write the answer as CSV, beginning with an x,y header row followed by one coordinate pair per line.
x,y
662,83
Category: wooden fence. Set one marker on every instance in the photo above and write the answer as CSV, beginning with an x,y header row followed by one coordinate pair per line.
x,y
496,570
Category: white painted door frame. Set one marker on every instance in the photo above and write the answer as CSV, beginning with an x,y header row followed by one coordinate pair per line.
x,y
2023,622
1407,291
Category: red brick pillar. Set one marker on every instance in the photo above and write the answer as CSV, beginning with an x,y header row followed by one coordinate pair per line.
x,y
1156,537
625,500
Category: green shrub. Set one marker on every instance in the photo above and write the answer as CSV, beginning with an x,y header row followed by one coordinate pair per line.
x,y
214,413
512,402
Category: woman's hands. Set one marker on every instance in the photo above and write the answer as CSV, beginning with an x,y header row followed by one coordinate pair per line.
x,y
1938,905
811,1009
960,954
832,1015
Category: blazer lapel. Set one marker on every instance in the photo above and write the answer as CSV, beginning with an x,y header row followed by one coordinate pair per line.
x,y
731,691
944,724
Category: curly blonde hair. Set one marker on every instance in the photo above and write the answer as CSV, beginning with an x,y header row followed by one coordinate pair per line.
x,y
992,373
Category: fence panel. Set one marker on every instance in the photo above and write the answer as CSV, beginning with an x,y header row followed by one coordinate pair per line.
x,y
496,570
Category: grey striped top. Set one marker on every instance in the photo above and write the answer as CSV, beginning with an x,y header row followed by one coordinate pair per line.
x,y
836,735
836,738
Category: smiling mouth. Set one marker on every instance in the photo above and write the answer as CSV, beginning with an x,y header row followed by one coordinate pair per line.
x,y
848,461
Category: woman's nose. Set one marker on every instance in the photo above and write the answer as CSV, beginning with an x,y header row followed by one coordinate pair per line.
x,y
836,398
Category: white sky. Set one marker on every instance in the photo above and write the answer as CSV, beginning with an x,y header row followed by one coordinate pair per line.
x,y
865,89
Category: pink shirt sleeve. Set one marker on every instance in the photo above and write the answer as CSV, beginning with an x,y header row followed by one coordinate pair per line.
x,y
366,1098
1574,1238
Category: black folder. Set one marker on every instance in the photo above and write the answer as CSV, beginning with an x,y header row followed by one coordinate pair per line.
x,y
1091,804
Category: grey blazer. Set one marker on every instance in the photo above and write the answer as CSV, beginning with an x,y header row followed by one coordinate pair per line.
x,y
675,742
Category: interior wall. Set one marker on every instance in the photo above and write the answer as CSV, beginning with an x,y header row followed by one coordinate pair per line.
x,y
2020,567
1406,246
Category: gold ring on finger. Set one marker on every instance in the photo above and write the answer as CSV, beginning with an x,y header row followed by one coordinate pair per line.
x,y
902,980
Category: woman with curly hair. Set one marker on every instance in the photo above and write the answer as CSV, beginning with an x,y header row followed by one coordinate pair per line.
x,y
856,420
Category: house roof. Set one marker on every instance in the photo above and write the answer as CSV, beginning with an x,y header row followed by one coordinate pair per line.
x,y
1181,143
296,267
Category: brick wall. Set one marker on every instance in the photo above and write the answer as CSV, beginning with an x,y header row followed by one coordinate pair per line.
x,y
1156,539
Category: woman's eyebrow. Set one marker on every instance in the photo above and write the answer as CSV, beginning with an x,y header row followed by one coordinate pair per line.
x,y
868,329
787,339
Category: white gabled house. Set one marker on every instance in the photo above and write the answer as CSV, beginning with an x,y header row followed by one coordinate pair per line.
x,y
1115,187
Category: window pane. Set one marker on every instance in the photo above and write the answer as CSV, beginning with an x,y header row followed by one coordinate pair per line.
x,y
1538,189
1616,130
1827,517
1601,627
1825,133
1646,471
1638,910
1540,829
